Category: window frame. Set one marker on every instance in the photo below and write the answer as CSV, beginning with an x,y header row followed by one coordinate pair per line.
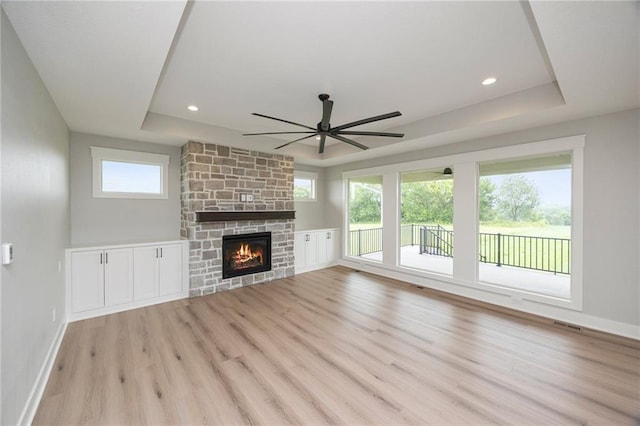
x,y
313,177
466,177
100,154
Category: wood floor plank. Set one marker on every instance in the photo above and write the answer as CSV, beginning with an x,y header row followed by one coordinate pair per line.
x,y
338,346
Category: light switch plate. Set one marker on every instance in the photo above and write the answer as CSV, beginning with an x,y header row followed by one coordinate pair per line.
x,y
7,253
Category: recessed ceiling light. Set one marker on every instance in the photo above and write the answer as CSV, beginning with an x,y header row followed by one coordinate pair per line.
x,y
194,108
489,81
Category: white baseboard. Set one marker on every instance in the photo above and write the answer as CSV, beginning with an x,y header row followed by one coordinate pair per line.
x,y
31,406
125,307
531,307
302,270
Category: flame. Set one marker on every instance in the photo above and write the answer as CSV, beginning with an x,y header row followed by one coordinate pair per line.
x,y
245,256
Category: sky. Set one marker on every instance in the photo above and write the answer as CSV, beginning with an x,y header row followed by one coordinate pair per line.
x,y
554,186
131,177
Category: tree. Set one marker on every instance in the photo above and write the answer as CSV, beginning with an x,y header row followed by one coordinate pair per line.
x,y
365,206
555,215
301,192
487,199
427,202
518,198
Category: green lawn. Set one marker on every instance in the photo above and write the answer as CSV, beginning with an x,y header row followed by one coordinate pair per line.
x,y
529,229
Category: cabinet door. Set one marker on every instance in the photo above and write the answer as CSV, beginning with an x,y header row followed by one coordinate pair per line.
x,y
311,248
323,239
299,245
118,276
333,247
87,280
170,269
145,272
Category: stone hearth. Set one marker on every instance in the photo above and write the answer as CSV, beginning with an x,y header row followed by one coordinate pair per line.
x,y
213,178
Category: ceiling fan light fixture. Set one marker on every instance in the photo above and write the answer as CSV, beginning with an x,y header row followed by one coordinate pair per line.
x,y
489,81
192,108
318,138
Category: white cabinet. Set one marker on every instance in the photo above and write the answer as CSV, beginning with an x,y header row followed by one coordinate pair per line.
x,y
101,277
170,269
306,248
158,271
145,273
327,249
87,278
316,249
103,280
118,276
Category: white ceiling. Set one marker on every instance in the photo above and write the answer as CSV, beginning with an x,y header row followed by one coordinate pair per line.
x,y
129,69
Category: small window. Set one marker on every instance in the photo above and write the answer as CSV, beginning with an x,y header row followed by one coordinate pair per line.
x,y
129,174
304,186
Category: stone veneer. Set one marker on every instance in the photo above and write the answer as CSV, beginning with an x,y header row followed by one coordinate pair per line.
x,y
212,179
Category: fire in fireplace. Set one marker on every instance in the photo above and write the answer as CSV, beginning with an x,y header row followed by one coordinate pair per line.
x,y
246,254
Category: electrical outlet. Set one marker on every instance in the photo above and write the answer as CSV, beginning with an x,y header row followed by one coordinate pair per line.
x,y
249,197
243,197
53,315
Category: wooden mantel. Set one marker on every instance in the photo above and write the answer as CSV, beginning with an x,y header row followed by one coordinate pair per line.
x,y
229,216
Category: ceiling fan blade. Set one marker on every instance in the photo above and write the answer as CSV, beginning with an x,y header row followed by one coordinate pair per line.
x,y
276,133
284,121
327,106
349,141
367,120
356,133
323,139
289,143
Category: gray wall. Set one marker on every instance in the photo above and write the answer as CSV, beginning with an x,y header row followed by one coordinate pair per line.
x,y
35,218
111,220
310,214
611,206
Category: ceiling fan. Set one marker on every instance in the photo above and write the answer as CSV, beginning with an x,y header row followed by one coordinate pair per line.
x,y
324,129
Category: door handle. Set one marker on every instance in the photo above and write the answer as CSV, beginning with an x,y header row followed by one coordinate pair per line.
x,y
106,258
101,258
160,251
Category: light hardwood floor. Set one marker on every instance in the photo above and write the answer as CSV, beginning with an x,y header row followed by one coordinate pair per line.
x,y
337,347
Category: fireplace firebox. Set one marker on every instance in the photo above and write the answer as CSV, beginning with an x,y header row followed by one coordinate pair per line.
x,y
245,254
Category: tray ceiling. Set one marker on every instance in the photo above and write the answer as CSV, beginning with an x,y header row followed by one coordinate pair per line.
x,y
129,69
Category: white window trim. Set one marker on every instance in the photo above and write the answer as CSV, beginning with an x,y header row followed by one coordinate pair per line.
x,y
99,154
391,174
313,176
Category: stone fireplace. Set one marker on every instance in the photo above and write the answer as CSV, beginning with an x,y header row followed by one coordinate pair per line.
x,y
227,192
